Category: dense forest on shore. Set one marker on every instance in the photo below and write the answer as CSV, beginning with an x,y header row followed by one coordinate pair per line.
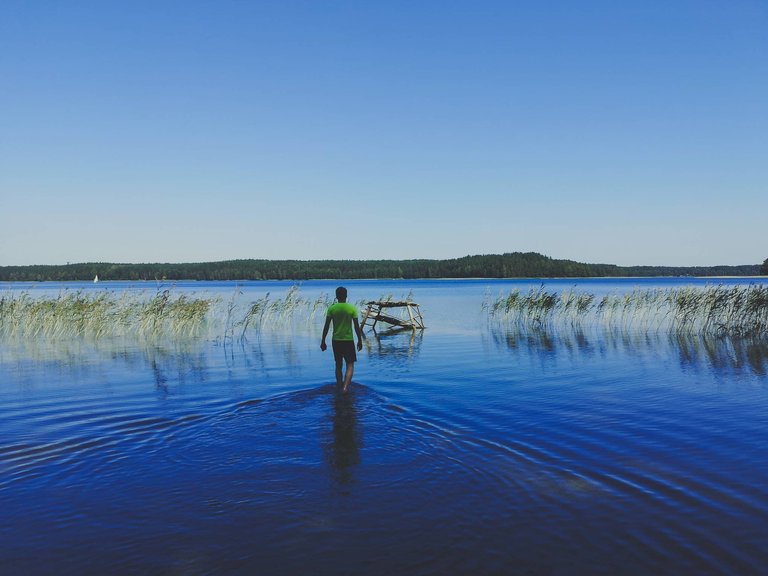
x,y
510,265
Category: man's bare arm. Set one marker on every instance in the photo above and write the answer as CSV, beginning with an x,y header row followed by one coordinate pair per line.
x,y
323,345
359,334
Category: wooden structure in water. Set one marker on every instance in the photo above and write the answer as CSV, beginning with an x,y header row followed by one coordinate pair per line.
x,y
408,315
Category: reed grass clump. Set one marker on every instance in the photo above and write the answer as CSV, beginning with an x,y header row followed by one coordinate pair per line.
x,y
267,312
162,315
723,310
102,314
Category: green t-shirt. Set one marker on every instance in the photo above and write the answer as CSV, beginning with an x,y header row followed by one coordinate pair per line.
x,y
342,314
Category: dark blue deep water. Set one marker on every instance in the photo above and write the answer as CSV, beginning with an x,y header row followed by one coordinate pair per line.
x,y
475,447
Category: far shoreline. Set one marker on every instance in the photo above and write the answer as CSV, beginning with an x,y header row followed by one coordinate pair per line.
x,y
387,279
506,266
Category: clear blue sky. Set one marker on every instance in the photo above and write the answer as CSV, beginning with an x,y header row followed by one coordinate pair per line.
x,y
626,132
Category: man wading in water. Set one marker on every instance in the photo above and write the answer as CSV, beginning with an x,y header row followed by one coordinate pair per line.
x,y
343,315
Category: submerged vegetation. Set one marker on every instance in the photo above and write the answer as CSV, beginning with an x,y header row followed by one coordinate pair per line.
x,y
109,314
721,310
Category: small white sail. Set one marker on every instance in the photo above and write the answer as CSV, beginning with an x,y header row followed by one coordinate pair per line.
x,y
96,279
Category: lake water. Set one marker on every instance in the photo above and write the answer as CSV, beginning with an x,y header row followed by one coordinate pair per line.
x,y
473,447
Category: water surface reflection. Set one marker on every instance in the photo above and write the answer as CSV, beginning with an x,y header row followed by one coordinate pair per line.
x,y
623,451
719,353
395,345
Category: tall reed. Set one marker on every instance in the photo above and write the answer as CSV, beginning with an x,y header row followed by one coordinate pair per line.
x,y
736,310
267,312
102,314
108,314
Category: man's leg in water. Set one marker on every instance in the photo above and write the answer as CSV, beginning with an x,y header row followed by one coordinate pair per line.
x,y
348,375
338,373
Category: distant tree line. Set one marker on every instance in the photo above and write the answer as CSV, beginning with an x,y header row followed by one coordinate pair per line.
x,y
510,265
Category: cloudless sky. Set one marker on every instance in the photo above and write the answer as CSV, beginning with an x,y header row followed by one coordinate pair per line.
x,y
630,132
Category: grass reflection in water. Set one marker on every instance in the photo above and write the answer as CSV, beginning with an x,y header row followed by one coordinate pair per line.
x,y
721,353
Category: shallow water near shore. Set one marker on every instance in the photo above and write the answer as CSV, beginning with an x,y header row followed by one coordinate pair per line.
x,y
474,446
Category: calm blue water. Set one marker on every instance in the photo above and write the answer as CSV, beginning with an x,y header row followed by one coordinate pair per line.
x,y
471,448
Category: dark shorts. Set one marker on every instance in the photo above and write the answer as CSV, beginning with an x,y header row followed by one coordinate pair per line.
x,y
344,349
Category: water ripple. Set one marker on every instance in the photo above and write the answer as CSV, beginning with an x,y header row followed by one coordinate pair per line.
x,y
455,454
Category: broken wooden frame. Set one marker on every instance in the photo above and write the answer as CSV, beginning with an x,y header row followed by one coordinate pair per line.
x,y
408,315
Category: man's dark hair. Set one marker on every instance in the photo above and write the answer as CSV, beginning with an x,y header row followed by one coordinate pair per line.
x,y
341,294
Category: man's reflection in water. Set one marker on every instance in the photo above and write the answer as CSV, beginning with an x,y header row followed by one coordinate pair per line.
x,y
343,449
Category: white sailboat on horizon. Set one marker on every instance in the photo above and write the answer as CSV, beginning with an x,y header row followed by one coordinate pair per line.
x,y
96,279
